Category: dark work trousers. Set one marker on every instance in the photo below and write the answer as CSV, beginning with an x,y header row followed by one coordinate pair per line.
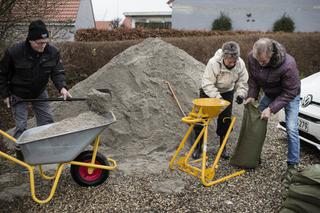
x,y
40,109
222,127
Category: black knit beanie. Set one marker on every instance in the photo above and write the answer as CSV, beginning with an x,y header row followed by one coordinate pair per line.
x,y
37,30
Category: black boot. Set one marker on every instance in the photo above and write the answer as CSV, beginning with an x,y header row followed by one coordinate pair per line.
x,y
197,152
224,154
19,154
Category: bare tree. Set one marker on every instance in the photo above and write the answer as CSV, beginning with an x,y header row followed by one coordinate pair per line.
x,y
115,23
6,7
17,12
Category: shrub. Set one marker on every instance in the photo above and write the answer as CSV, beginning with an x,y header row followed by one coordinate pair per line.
x,y
120,34
285,23
222,23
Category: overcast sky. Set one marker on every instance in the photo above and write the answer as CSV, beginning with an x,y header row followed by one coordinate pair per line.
x,y
110,9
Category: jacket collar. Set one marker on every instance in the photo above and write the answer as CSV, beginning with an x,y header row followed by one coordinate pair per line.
x,y
279,55
31,54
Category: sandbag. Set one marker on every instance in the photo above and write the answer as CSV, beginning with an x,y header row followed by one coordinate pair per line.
x,y
285,210
252,134
298,206
307,193
304,191
309,176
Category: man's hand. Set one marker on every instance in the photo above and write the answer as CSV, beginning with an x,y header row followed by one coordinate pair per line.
x,y
7,101
239,99
249,100
266,114
65,93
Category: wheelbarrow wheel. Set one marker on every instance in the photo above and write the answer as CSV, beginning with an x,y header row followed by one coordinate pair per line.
x,y
81,175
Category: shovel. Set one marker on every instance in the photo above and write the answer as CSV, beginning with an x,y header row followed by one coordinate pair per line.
x,y
48,99
15,100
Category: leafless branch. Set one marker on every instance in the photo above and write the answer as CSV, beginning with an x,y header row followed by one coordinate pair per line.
x,y
15,12
115,23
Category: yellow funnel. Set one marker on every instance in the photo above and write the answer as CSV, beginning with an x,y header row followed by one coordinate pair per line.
x,y
211,106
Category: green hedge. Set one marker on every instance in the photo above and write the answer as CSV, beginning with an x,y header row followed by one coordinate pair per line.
x,y
121,34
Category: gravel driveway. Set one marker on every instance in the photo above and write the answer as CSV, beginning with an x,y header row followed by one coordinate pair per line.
x,y
256,191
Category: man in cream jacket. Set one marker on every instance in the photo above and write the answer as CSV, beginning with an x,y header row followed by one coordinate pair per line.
x,y
225,77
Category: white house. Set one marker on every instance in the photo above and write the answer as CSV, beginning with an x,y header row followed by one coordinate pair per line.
x,y
255,15
147,19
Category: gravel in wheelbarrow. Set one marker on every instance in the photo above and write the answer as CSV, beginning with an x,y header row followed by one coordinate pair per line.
x,y
62,141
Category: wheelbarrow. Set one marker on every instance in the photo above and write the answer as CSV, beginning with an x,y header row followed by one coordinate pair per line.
x,y
88,168
203,112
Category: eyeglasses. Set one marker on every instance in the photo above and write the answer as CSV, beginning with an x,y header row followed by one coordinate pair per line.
x,y
230,61
41,43
263,59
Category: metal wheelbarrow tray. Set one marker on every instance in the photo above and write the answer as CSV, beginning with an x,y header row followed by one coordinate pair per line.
x,y
59,148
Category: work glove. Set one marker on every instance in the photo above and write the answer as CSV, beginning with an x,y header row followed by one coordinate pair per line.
x,y
249,101
239,99
6,101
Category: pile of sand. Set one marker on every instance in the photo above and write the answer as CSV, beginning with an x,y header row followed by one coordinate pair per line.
x,y
148,126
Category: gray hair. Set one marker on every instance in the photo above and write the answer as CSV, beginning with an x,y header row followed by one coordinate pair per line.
x,y
263,45
231,49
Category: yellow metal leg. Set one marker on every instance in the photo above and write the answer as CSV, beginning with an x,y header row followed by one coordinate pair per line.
x,y
180,146
205,183
95,166
193,147
31,175
216,161
94,154
53,189
46,177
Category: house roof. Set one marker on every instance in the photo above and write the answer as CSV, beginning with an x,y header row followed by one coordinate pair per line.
x,y
66,11
160,13
52,11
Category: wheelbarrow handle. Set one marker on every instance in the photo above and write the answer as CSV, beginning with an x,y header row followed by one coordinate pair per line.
x,y
15,100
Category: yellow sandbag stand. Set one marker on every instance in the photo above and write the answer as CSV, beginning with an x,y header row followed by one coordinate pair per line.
x,y
203,111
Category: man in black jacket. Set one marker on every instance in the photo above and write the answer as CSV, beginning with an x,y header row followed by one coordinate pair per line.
x,y
25,70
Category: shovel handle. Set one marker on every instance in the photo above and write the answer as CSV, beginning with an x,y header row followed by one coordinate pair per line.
x,y
51,99
175,98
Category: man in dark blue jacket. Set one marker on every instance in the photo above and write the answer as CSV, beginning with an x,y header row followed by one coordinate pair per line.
x,y
25,70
